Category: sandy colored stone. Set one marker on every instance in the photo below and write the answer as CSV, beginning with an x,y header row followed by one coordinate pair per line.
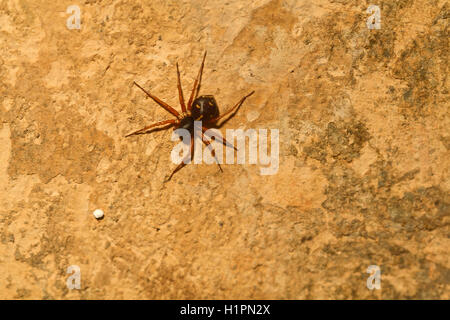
x,y
363,177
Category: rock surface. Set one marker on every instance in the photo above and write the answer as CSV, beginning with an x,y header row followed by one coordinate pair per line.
x,y
363,178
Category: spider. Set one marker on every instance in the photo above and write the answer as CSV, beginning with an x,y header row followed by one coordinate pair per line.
x,y
202,108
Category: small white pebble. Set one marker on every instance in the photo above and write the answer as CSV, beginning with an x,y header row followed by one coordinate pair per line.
x,y
98,213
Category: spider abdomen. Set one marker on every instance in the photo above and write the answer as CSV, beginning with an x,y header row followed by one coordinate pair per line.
x,y
205,108
187,123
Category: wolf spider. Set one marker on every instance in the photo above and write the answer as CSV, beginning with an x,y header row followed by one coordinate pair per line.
x,y
202,108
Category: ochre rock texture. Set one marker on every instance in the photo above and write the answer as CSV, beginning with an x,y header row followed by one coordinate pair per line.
x,y
363,179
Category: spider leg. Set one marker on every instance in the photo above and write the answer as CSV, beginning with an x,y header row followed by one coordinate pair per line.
x,y
232,110
207,144
182,164
157,124
196,88
160,102
224,141
180,91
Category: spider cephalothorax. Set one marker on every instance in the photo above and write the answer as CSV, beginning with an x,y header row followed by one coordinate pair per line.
x,y
203,108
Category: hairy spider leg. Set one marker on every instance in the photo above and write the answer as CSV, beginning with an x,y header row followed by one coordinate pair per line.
x,y
180,92
224,141
232,110
182,164
208,144
157,124
196,87
200,78
160,102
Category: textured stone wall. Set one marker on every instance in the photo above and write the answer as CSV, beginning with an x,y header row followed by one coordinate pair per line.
x,y
363,179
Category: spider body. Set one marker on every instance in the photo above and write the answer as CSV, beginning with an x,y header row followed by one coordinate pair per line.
x,y
187,122
203,108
